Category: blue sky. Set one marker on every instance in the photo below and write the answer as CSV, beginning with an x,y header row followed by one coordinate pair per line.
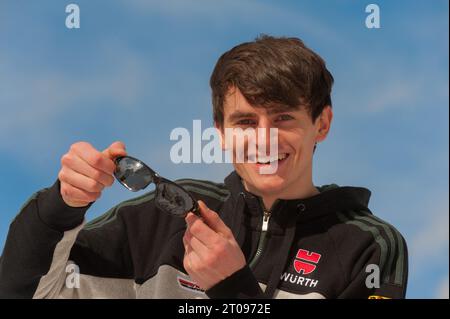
x,y
137,69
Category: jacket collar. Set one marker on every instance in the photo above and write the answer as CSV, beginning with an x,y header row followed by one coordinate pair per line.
x,y
330,200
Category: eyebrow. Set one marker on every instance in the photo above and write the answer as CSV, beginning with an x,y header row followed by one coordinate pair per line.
x,y
239,115
270,111
280,109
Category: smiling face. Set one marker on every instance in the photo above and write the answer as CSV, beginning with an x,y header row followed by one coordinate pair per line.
x,y
297,135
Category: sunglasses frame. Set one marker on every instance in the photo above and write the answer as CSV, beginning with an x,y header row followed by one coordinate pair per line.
x,y
157,179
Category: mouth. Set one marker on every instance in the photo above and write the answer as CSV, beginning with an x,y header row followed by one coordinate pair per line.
x,y
267,160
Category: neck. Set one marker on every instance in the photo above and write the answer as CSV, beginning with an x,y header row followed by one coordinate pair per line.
x,y
301,190
269,199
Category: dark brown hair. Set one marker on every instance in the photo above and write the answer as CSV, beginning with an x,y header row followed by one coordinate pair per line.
x,y
270,72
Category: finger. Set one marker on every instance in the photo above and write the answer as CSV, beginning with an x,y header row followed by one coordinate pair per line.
x,y
79,180
212,219
186,245
186,260
191,255
189,250
197,268
94,158
198,229
77,164
197,246
115,149
200,269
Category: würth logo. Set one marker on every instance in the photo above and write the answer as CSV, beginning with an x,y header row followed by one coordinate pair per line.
x,y
306,261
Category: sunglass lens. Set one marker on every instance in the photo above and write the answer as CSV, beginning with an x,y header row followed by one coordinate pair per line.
x,y
133,174
173,199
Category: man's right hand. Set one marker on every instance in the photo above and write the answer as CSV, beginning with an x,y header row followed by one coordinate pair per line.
x,y
85,172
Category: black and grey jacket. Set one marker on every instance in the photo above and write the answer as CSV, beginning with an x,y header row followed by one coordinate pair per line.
x,y
326,246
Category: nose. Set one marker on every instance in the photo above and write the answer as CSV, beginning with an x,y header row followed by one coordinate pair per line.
x,y
266,135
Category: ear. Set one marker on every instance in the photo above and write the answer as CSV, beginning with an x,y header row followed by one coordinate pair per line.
x,y
323,123
220,132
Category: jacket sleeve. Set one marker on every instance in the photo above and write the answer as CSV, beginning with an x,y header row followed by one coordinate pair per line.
x,y
47,251
240,285
381,272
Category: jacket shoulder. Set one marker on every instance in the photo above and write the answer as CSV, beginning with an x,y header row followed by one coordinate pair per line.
x,y
112,214
213,194
375,239
204,189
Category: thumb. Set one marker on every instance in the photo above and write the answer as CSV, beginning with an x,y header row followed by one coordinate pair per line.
x,y
115,149
212,219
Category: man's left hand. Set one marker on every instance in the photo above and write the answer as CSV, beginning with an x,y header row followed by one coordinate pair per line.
x,y
211,251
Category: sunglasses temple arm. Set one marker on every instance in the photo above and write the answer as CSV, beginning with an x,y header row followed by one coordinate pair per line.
x,y
155,177
196,209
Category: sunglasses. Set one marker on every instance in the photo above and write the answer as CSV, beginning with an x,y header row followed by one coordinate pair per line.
x,y
170,197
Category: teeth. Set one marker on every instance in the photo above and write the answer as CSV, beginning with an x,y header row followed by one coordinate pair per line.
x,y
265,159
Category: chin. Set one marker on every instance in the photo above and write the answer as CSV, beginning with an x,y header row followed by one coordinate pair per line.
x,y
268,184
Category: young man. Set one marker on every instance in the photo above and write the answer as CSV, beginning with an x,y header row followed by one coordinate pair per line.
x,y
260,236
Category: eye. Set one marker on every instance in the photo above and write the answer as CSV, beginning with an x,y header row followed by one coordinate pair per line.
x,y
284,117
246,122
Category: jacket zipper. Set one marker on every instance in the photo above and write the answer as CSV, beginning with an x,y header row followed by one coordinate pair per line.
x,y
262,238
